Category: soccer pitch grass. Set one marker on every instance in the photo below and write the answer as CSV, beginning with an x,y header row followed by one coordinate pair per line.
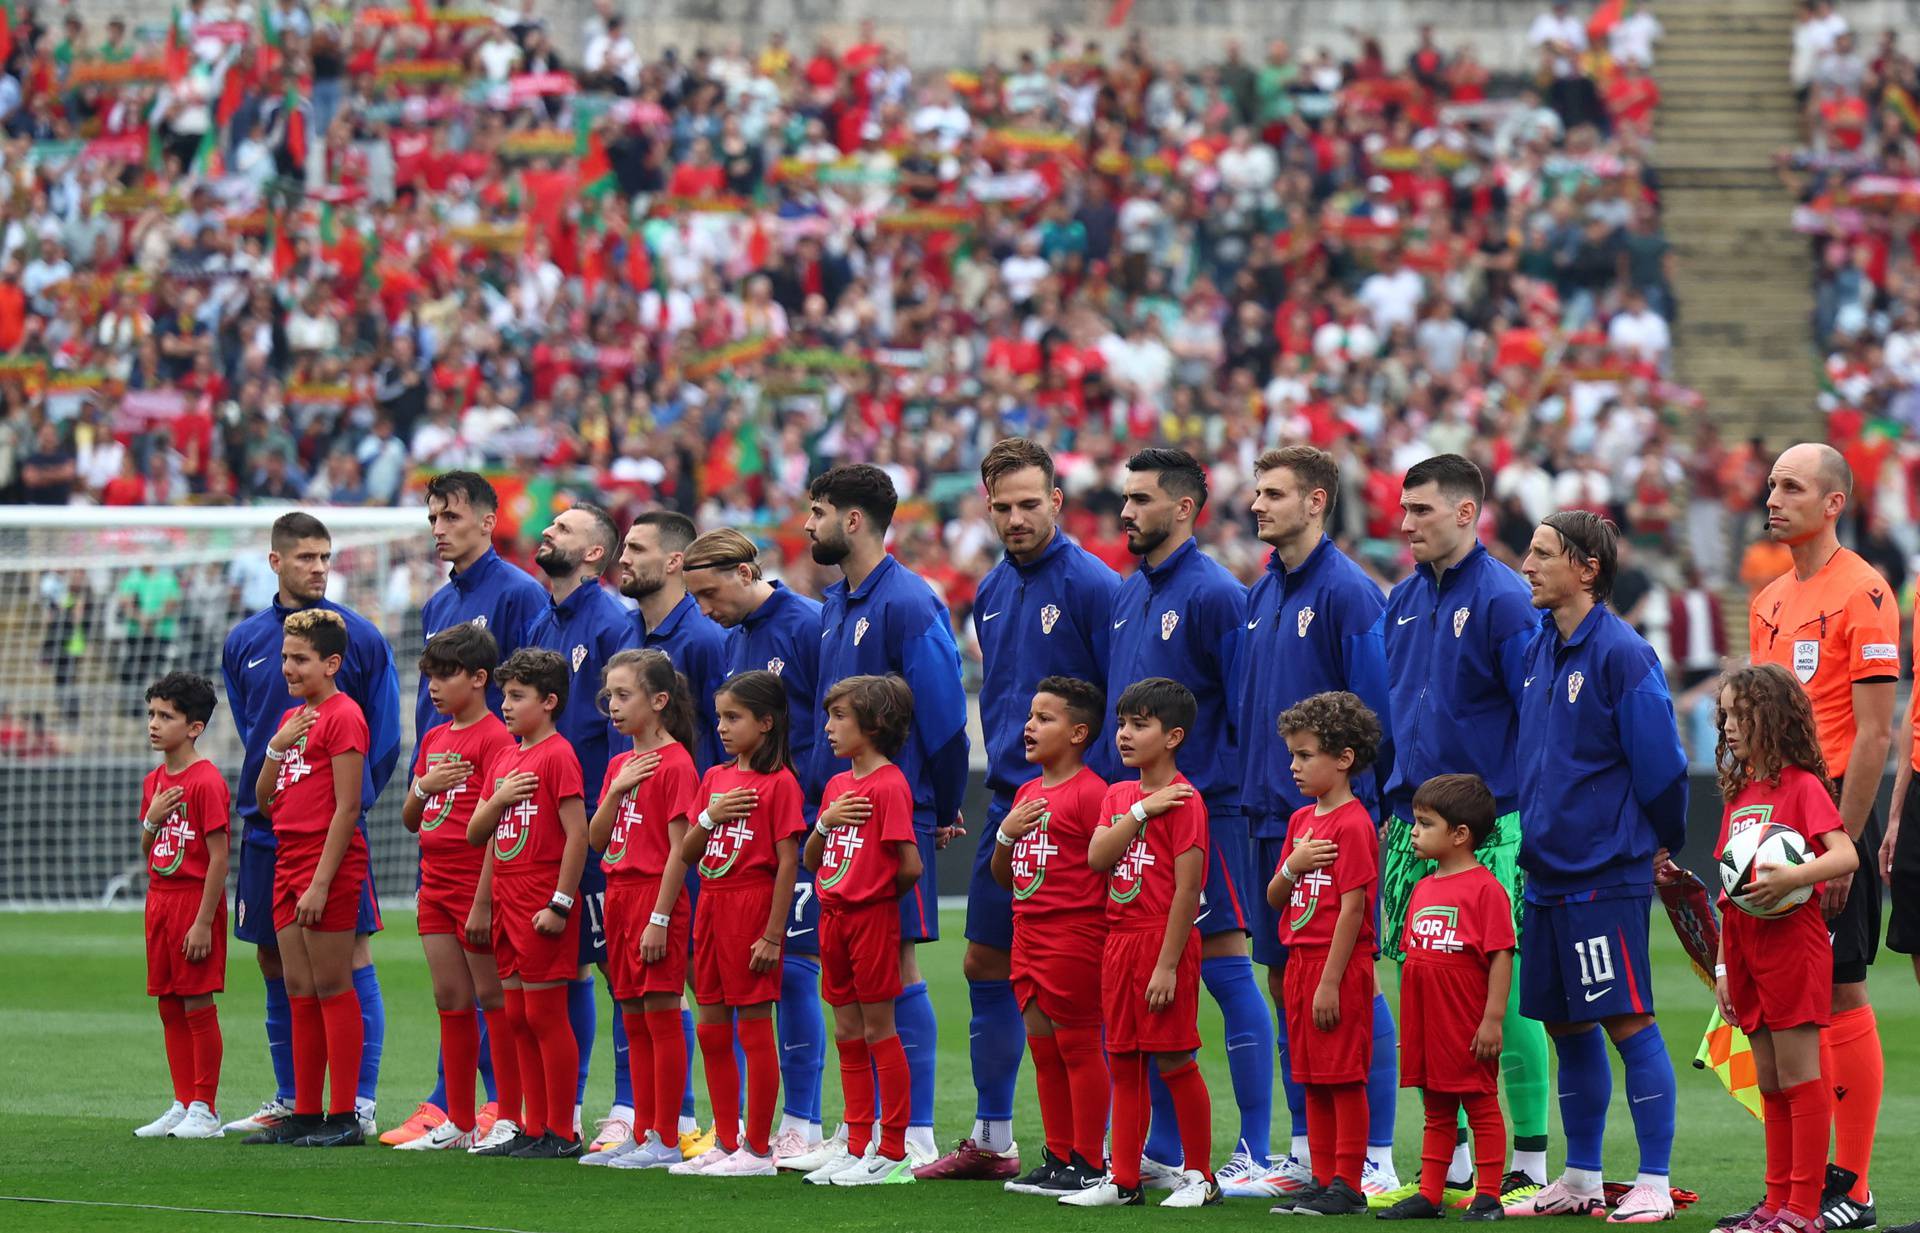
x,y
85,1066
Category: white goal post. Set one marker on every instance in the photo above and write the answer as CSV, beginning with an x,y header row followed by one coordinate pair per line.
x,y
95,603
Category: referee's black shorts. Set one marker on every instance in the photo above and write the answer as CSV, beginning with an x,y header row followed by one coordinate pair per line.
x,y
1903,916
1856,930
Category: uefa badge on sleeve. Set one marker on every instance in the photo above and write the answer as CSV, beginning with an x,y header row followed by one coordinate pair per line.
x,y
1049,617
1169,621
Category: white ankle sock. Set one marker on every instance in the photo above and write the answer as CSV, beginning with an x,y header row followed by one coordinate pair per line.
x,y
1381,1156
995,1135
796,1124
1582,1181
920,1138
1301,1152
1653,1181
1533,1164
1461,1166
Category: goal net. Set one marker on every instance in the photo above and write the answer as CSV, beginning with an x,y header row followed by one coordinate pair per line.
x,y
94,604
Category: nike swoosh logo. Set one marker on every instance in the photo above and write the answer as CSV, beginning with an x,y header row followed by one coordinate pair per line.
x,y
1641,1100
794,933
1404,620
1255,622
791,1048
990,616
1526,682
1599,993
255,663
1118,624
1245,1044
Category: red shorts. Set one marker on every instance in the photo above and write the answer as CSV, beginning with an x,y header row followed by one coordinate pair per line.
x,y
725,927
629,903
170,913
1779,972
523,951
1126,968
445,910
293,869
1344,1054
1056,963
1441,1000
860,952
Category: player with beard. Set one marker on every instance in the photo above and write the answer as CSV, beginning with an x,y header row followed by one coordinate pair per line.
x,y
1043,611
772,629
882,618
1183,616
652,572
587,626
301,554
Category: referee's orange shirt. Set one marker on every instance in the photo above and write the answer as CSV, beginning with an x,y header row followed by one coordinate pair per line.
x,y
1839,627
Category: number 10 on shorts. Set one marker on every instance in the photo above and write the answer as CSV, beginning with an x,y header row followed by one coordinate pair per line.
x,y
1596,961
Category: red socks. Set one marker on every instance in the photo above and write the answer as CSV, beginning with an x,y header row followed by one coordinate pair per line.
x,y
1436,1143
1857,1077
1489,1140
1087,1077
640,1070
346,1035
309,1055
669,1070
1810,1108
1130,1113
505,1047
533,1074
204,1027
1194,1110
173,1025
723,1082
1337,1131
1777,1116
896,1094
460,1056
856,1087
763,1079
559,1055
1056,1096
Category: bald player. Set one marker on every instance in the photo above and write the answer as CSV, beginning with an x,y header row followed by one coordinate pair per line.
x,y
1834,623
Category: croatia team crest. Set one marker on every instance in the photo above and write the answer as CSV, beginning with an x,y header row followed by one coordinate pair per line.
x,y
1049,617
579,657
1306,619
479,622
1574,682
1806,659
776,665
1169,621
1460,616
859,630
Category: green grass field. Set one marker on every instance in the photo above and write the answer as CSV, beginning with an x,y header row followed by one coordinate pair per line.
x,y
84,1066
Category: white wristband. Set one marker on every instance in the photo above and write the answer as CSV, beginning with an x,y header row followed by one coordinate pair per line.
x,y
1139,811
562,900
821,829
1003,839
417,792
149,827
1719,970
276,755
706,821
1287,873
660,918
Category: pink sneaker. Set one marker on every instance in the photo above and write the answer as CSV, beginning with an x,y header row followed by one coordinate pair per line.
x,y
1759,1218
1559,1199
1641,1205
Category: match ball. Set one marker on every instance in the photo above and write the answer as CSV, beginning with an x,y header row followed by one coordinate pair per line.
x,y
1767,844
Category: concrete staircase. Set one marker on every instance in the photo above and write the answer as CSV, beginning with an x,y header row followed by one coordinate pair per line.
x,y
1743,277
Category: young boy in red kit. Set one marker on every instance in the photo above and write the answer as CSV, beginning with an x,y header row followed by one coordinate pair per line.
x,y
1324,891
450,769
1060,932
1153,849
864,857
538,823
309,788
183,824
1459,944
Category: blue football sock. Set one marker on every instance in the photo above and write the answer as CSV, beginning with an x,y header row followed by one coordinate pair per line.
x,y
1250,1044
373,1022
584,1018
486,1062
1586,1089
622,1076
686,1030
280,1039
1652,1095
1163,1132
803,1037
920,1037
996,1037
1383,1078
1296,1093
438,1096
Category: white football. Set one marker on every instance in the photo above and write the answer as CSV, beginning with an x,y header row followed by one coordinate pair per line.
x,y
1769,844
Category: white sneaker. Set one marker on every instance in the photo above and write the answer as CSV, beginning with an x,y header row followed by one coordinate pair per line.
x,y
920,1157
1377,1179
873,1169
445,1137
1243,1177
611,1131
1106,1194
1287,1175
1560,1199
1157,1176
363,1109
650,1154
838,1158
607,1155
159,1126
699,1164
1194,1191
1643,1205
270,1113
504,1130
743,1163
818,1154
199,1123
790,1147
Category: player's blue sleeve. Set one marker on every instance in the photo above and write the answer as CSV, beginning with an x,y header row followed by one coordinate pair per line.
x,y
1515,623
1366,662
1225,625
1097,595
1651,740
528,605
383,717
930,662
230,677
